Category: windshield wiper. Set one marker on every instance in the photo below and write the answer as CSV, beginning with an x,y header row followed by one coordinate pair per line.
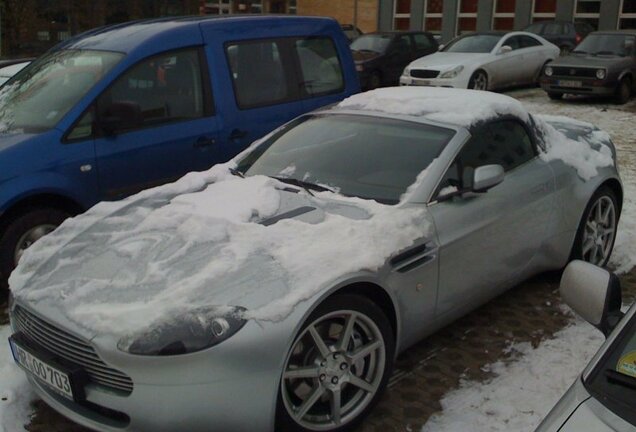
x,y
236,172
303,184
620,378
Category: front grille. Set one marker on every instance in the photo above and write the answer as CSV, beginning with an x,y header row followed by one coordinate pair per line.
x,y
424,73
71,349
574,72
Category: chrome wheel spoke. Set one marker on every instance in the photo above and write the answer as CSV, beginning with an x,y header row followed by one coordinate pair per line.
x,y
608,211
346,333
336,406
309,402
599,212
302,372
588,245
319,342
361,384
365,350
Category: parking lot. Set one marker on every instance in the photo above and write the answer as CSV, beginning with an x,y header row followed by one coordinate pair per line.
x,y
531,312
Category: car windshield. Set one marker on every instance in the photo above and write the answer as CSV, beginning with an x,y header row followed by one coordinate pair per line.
x,y
613,380
373,43
479,43
37,97
366,157
607,44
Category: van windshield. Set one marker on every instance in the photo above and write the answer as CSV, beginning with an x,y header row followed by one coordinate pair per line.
x,y
37,97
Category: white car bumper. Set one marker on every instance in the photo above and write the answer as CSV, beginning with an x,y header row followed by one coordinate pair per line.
x,y
457,82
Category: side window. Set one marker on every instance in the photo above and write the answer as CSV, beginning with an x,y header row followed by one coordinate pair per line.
x,y
402,45
513,42
258,73
535,28
422,42
161,89
529,42
320,66
553,29
83,128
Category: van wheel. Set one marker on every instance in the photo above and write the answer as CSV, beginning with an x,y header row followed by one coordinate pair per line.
x,y
337,368
21,232
375,80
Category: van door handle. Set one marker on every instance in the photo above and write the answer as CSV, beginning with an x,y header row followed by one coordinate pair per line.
x,y
238,134
204,142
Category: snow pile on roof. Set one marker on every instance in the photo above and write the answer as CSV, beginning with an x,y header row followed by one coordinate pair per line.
x,y
199,242
587,154
456,106
16,393
524,391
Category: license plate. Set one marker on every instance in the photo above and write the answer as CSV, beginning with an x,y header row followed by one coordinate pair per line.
x,y
52,376
422,82
569,83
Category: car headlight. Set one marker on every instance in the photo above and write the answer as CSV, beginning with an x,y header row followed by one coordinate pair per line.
x,y
600,73
188,332
360,67
406,72
548,71
453,72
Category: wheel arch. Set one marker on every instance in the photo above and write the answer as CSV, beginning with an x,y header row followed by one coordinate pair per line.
x,y
40,199
616,187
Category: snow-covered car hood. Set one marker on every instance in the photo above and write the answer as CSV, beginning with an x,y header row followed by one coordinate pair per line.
x,y
445,61
209,239
589,61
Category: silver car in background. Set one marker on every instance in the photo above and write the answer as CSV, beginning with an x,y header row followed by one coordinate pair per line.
x,y
602,398
483,61
408,217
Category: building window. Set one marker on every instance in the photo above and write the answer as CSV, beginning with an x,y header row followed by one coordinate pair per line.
x,y
63,35
44,36
627,17
503,17
219,7
543,10
256,7
401,14
292,9
433,16
467,16
588,11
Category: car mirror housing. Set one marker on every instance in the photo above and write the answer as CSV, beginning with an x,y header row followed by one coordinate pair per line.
x,y
486,177
504,49
593,293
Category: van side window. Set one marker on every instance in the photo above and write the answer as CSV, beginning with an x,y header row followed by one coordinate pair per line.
x,y
258,73
161,89
320,66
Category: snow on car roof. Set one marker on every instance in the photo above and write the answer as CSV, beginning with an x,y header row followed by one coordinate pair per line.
x,y
447,105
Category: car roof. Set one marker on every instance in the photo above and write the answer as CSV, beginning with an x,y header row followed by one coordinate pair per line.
x,y
126,37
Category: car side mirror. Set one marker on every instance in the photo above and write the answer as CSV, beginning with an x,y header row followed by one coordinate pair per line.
x,y
120,116
440,47
504,50
593,293
486,177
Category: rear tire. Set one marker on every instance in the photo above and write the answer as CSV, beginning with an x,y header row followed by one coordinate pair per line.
x,y
21,232
623,91
596,234
329,373
555,96
564,50
375,80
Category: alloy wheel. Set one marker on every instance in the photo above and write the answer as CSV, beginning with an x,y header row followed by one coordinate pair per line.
x,y
335,368
480,82
599,231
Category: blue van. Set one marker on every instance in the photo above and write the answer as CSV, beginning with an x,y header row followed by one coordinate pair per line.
x,y
127,107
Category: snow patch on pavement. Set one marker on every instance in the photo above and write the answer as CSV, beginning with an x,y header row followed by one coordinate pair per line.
x,y
16,393
524,391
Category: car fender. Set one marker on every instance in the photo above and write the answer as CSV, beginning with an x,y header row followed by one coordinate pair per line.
x,y
626,73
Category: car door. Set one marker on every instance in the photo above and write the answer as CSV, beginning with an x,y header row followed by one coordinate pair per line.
x,y
156,123
535,56
488,241
504,70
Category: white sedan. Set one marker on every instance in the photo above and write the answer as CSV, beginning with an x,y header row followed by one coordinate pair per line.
x,y
483,61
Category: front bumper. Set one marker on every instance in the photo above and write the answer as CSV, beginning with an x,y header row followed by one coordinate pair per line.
x,y
587,86
457,82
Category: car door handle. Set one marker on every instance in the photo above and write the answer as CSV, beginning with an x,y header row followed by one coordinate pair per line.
x,y
204,142
238,134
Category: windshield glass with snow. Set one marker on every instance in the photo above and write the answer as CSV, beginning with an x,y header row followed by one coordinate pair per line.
x,y
37,98
607,44
373,43
613,380
483,43
367,157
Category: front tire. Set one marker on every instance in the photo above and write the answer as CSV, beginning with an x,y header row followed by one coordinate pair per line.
x,y
623,91
338,367
375,80
596,234
479,81
21,232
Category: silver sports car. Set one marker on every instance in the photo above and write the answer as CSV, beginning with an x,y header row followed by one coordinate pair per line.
x,y
274,292
483,61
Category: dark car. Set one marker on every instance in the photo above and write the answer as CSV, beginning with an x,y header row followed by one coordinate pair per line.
x,y
381,57
604,64
351,32
564,34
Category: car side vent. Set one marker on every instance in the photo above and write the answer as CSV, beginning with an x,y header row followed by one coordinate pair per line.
x,y
412,258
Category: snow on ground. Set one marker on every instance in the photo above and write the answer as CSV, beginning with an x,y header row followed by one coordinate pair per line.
x,y
525,390
15,392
